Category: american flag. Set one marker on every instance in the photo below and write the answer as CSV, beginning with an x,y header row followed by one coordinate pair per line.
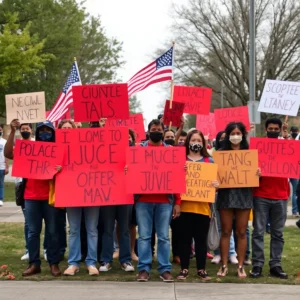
x,y
65,99
159,70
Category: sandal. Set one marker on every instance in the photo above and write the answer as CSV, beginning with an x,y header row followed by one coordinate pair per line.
x,y
183,275
241,272
203,275
223,271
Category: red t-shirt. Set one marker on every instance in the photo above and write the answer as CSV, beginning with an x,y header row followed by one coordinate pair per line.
x,y
273,188
158,198
37,189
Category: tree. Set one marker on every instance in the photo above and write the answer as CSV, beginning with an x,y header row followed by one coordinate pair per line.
x,y
134,105
213,45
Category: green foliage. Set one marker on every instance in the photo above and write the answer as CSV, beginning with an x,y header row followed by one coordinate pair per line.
x,y
134,105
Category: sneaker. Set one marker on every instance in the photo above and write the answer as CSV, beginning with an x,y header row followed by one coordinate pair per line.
x,y
45,255
298,224
71,270
209,256
216,260
295,215
203,275
93,271
105,267
166,277
1,203
278,272
233,260
247,261
143,276
25,256
127,267
256,272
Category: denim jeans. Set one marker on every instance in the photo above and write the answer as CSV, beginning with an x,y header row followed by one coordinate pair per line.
x,y
161,214
2,175
36,211
25,230
91,216
294,183
277,210
121,213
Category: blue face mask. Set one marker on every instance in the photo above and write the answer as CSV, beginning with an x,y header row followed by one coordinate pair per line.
x,y
45,136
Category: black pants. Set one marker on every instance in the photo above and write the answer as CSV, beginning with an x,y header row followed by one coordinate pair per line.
x,y
175,226
193,226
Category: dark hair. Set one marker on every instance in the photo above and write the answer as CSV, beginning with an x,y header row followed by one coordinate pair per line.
x,y
26,124
63,122
132,134
160,116
183,133
167,130
155,122
2,126
273,121
230,127
218,137
294,129
203,151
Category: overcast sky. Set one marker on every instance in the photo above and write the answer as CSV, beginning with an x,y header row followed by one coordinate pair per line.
x,y
142,26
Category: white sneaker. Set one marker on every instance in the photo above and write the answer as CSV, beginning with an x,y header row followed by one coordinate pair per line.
x,y
216,260
233,260
127,267
105,267
25,256
45,255
247,261
1,203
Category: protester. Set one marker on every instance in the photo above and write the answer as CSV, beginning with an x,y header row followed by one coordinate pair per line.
x,y
270,200
156,209
4,166
169,137
234,202
195,216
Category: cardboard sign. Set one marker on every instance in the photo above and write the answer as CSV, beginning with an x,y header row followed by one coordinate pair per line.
x,y
36,160
93,172
277,157
174,114
27,108
280,97
92,102
156,170
198,182
135,122
206,124
224,116
237,168
197,99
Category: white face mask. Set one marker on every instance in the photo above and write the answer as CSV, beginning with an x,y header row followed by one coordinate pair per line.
x,y
235,139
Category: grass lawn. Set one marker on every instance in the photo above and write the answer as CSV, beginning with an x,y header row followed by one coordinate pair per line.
x,y
9,191
12,248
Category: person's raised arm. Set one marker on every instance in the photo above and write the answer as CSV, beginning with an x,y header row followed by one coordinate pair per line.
x,y
178,132
9,146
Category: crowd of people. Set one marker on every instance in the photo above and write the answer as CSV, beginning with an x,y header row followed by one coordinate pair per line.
x,y
94,232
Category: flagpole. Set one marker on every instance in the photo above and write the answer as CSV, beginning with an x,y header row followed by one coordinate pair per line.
x,y
172,82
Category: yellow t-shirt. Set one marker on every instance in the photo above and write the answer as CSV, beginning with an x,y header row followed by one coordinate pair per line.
x,y
201,208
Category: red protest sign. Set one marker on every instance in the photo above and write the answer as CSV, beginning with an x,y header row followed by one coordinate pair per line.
x,y
197,99
93,172
135,122
92,102
36,160
206,124
277,157
174,114
224,116
156,170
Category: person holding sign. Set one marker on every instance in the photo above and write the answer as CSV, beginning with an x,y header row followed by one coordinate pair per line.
x,y
155,210
270,200
37,208
234,202
195,216
4,167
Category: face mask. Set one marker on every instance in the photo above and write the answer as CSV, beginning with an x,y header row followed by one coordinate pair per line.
x,y
222,144
156,136
45,136
25,135
196,147
294,135
170,142
273,134
131,144
235,139
180,143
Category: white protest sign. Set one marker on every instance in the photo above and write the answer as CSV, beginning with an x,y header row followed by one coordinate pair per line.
x,y
280,97
28,107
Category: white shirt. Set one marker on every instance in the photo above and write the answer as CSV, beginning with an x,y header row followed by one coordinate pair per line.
x,y
2,158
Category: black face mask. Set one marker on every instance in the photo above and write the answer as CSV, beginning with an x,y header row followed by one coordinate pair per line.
x,y
273,134
131,143
221,144
25,135
294,135
156,136
170,142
